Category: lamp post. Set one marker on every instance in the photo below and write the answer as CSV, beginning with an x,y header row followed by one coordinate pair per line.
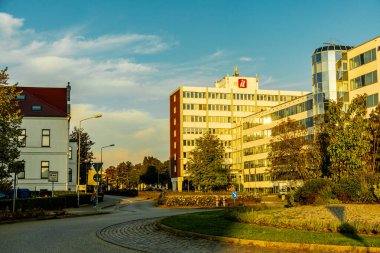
x,y
79,135
101,159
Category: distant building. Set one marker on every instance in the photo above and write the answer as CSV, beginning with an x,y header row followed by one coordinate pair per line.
x,y
243,116
197,110
45,138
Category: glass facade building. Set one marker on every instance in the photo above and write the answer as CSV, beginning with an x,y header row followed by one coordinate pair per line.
x,y
329,76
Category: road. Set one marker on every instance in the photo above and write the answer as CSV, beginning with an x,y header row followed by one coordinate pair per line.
x,y
129,228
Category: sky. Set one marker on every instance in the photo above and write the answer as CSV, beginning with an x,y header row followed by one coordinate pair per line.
x,y
124,58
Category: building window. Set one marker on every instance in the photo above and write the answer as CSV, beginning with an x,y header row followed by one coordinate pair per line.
x,y
70,153
36,108
372,100
184,154
70,175
21,175
362,59
363,80
44,169
174,98
175,168
20,97
45,137
22,138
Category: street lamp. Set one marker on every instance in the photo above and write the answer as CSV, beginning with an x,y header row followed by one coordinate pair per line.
x,y
79,133
101,158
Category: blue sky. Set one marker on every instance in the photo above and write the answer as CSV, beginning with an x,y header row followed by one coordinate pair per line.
x,y
124,58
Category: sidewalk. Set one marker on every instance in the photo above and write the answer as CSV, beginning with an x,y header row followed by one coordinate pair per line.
x,y
103,207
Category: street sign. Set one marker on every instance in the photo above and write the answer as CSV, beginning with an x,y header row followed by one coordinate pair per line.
x,y
97,178
234,194
53,176
97,166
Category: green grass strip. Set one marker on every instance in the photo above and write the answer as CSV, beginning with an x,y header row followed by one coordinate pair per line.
x,y
214,223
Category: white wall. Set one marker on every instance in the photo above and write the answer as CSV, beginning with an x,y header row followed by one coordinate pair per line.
x,y
34,153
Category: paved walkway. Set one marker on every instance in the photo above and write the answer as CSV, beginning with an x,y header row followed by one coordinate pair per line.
x,y
145,235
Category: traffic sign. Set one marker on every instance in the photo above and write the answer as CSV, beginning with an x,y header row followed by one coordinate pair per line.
x,y
97,166
234,194
53,176
97,178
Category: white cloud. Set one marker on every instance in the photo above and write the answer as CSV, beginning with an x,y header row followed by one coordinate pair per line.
x,y
9,25
135,133
246,59
217,54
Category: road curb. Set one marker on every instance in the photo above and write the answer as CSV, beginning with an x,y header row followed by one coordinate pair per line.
x,y
268,244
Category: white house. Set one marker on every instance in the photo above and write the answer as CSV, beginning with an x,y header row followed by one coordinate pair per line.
x,y
45,138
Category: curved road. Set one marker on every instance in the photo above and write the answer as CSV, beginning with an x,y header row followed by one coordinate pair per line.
x,y
129,228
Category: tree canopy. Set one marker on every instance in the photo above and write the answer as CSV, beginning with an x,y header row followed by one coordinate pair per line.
x,y
86,155
290,155
206,163
10,121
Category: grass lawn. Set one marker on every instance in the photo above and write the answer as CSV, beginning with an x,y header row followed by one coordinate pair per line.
x,y
214,223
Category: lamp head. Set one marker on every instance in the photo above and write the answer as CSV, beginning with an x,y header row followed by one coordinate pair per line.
x,y
98,116
112,145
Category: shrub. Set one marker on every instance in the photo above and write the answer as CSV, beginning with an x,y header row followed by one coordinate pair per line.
x,y
356,188
314,191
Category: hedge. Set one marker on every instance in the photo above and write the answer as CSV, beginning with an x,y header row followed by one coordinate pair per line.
x,y
49,203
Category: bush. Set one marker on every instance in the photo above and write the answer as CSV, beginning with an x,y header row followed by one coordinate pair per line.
x,y
125,192
356,188
50,203
315,191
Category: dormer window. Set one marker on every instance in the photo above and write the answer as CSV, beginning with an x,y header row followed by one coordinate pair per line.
x,y
36,108
20,97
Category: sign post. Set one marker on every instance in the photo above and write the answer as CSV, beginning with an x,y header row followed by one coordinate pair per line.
x,y
234,196
53,177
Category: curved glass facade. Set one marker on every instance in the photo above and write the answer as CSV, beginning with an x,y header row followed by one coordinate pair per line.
x,y
329,76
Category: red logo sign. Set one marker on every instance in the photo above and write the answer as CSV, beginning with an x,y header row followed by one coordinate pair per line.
x,y
242,83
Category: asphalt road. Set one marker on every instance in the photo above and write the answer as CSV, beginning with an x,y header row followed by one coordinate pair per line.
x,y
80,234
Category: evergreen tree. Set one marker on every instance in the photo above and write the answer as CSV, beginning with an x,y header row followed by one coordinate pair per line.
x,y
10,121
206,163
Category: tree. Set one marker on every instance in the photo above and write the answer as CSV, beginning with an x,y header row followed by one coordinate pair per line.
x,y
151,170
10,121
289,154
374,129
123,171
86,155
350,139
206,164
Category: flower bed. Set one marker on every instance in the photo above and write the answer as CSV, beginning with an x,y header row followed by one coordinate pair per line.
x,y
199,199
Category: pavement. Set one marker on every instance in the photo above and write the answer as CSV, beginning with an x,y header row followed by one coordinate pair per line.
x,y
106,206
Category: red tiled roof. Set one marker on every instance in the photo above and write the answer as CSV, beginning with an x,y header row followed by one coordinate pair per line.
x,y
53,101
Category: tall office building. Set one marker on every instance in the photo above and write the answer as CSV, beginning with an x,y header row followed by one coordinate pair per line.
x,y
197,110
339,73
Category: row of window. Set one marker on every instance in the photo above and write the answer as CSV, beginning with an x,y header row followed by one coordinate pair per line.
x,y
45,138
257,177
256,164
196,130
257,135
292,110
45,166
363,80
235,96
363,58
192,118
256,150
